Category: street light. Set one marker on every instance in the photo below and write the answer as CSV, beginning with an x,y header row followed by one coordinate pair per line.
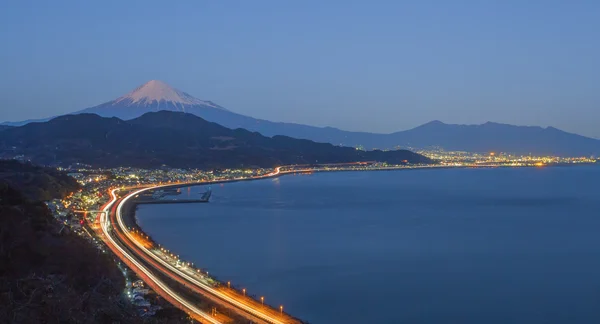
x,y
262,300
244,291
281,309
228,284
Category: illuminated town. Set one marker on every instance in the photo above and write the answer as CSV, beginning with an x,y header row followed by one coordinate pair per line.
x,y
96,182
459,158
87,213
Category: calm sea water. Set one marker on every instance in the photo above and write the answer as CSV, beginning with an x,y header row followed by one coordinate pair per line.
x,y
418,246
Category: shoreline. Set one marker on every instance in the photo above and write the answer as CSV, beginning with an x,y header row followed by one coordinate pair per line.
x,y
251,305
403,168
130,215
284,173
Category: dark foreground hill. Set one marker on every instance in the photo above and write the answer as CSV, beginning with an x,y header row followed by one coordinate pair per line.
x,y
35,182
47,274
47,277
174,139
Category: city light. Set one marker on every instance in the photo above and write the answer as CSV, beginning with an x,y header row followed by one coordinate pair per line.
x,y
87,217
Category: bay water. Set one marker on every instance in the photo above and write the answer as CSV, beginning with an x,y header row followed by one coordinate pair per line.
x,y
503,245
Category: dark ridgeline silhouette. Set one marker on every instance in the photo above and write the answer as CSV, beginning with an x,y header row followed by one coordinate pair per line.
x,y
35,182
156,95
472,138
174,139
45,271
497,137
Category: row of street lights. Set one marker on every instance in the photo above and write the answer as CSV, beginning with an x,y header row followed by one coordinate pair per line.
x,y
262,298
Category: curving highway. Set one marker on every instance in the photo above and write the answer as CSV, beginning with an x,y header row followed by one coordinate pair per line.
x,y
131,261
136,251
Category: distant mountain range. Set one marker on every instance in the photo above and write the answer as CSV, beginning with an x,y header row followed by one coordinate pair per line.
x,y
173,139
156,95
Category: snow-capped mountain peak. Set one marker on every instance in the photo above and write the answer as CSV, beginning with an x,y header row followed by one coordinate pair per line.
x,y
155,91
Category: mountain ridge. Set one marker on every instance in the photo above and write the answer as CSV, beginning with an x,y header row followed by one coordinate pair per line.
x,y
175,139
156,95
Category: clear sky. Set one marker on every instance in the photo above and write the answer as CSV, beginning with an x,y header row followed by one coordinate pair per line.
x,y
377,66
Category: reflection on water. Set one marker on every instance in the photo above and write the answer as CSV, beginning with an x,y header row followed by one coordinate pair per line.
x,y
426,246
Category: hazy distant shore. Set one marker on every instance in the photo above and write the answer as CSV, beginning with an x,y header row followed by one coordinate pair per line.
x,y
133,220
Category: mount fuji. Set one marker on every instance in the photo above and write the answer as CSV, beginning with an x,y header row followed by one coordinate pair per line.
x,y
153,95
156,95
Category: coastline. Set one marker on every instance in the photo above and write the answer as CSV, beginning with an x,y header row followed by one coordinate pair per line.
x,y
132,219
211,284
130,215
403,168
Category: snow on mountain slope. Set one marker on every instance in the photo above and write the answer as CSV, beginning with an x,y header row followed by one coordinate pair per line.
x,y
157,91
156,95
153,95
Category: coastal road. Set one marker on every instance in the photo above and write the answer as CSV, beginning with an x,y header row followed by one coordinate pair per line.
x,y
136,252
259,314
131,243
152,280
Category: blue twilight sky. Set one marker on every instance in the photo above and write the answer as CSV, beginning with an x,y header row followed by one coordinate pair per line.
x,y
377,66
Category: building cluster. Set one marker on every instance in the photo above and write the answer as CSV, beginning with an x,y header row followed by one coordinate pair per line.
x,y
140,297
78,208
460,158
78,212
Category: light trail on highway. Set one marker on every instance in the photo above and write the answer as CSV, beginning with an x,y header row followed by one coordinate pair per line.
x,y
104,224
234,302
256,314
135,250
